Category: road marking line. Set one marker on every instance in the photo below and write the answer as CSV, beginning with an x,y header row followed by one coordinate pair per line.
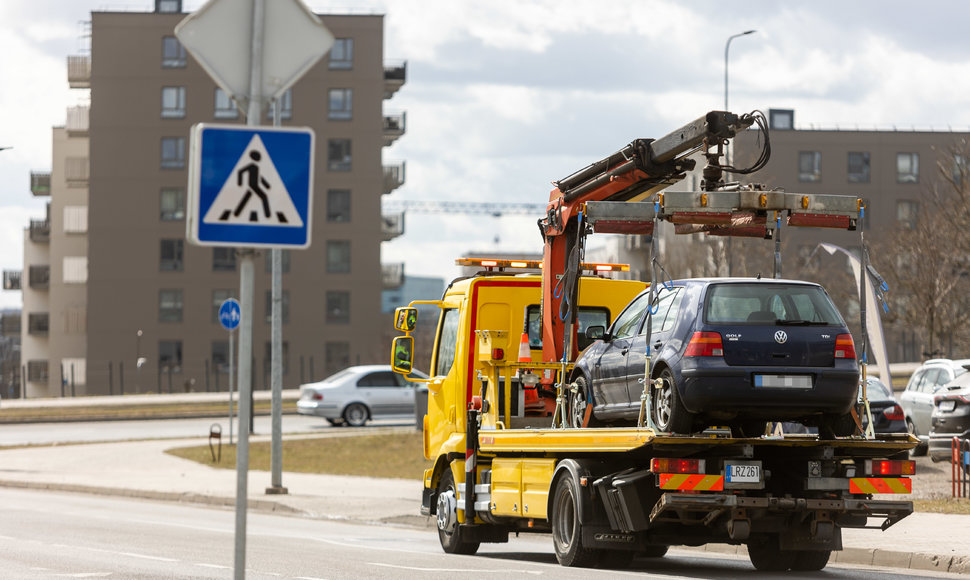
x,y
216,566
463,570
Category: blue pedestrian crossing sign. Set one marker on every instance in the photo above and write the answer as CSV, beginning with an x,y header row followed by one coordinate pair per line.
x,y
230,314
250,186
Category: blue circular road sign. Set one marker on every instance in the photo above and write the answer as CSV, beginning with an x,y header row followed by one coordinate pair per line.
x,y
229,314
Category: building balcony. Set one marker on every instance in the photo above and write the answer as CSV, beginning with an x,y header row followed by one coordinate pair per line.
x,y
392,226
40,231
38,323
40,183
12,279
39,277
10,324
392,275
76,171
79,71
394,126
393,176
77,120
394,76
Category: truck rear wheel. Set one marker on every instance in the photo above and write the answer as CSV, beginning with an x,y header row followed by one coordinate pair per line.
x,y
567,531
811,560
449,531
766,556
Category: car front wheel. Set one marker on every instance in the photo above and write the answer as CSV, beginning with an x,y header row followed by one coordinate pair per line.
x,y
670,415
919,450
356,415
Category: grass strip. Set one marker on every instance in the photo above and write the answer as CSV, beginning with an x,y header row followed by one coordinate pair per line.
x,y
396,455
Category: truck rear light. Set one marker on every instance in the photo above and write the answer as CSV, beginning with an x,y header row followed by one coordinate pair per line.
x,y
705,344
498,354
886,467
664,465
894,413
844,346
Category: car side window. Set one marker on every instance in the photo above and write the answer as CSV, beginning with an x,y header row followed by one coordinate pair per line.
x,y
378,379
658,320
928,380
628,321
913,385
945,376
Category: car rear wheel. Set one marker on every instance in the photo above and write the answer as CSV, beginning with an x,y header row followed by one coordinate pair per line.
x,y
669,413
919,450
356,414
578,403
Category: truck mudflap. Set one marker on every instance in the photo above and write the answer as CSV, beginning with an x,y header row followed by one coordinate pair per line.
x,y
740,511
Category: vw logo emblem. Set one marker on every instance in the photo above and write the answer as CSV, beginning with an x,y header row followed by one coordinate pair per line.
x,y
781,337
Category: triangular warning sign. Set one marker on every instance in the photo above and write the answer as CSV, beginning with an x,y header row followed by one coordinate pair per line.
x,y
254,193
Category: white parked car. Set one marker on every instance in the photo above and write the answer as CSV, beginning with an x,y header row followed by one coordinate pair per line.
x,y
357,394
917,399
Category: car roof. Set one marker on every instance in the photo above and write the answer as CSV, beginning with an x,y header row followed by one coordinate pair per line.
x,y
946,362
737,280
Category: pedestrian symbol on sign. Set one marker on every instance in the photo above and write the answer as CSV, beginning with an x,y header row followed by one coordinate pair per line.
x,y
254,193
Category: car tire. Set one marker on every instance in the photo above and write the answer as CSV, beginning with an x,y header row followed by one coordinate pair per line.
x,y
921,449
356,415
335,422
567,530
832,426
450,533
669,414
577,403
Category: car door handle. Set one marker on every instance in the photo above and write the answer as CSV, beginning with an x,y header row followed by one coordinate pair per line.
x,y
624,351
658,344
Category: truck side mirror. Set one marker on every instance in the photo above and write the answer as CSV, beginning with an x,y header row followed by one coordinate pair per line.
x,y
405,319
595,332
402,354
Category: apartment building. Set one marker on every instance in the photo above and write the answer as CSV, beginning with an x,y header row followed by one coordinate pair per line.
x,y
116,300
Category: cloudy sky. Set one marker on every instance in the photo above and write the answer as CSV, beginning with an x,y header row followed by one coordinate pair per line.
x,y
504,96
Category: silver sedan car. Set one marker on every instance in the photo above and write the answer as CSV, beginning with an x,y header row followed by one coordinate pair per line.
x,y
358,394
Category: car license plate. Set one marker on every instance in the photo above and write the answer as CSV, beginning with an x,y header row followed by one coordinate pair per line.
x,y
784,381
742,472
947,406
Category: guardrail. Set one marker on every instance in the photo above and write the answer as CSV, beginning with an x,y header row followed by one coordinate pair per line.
x,y
960,467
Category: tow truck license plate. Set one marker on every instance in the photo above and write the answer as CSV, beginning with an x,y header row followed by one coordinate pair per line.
x,y
742,472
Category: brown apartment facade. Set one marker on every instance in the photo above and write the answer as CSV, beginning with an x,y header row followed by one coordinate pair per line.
x,y
120,301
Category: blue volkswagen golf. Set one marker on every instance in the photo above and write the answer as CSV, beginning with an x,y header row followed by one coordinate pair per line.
x,y
728,351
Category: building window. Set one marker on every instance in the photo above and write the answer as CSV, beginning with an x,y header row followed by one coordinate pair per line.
x,y
907,168
781,119
342,54
338,256
173,102
172,255
284,306
218,297
168,6
338,205
338,307
75,219
170,306
340,104
225,107
173,152
284,356
170,355
172,204
284,262
223,259
38,323
286,106
338,154
37,371
809,166
960,169
907,212
75,269
173,53
858,167
220,356
337,357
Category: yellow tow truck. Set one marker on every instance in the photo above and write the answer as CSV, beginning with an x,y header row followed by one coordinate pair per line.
x,y
505,457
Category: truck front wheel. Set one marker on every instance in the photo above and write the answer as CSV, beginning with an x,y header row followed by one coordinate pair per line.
x,y
567,531
449,531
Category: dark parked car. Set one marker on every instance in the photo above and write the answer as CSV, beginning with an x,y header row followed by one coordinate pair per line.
x,y
951,417
738,351
887,414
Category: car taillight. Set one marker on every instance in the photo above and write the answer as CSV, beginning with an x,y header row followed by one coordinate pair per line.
x,y
663,465
317,397
705,344
844,346
894,413
960,398
885,467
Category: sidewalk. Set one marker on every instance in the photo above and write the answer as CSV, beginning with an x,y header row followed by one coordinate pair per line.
x,y
922,541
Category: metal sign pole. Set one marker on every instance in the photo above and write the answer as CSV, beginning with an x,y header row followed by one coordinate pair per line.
x,y
246,292
232,377
276,377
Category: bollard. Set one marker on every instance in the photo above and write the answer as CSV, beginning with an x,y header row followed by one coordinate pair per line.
x,y
215,432
960,467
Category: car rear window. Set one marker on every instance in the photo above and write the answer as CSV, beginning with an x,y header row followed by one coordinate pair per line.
x,y
769,303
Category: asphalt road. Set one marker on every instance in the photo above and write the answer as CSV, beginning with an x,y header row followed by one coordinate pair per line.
x,y
49,433
53,535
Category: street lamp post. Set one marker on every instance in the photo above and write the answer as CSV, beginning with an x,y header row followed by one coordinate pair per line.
x,y
138,361
727,151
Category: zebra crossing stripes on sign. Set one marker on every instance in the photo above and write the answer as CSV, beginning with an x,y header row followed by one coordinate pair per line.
x,y
250,186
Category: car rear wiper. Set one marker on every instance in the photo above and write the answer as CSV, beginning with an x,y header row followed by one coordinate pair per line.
x,y
796,322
